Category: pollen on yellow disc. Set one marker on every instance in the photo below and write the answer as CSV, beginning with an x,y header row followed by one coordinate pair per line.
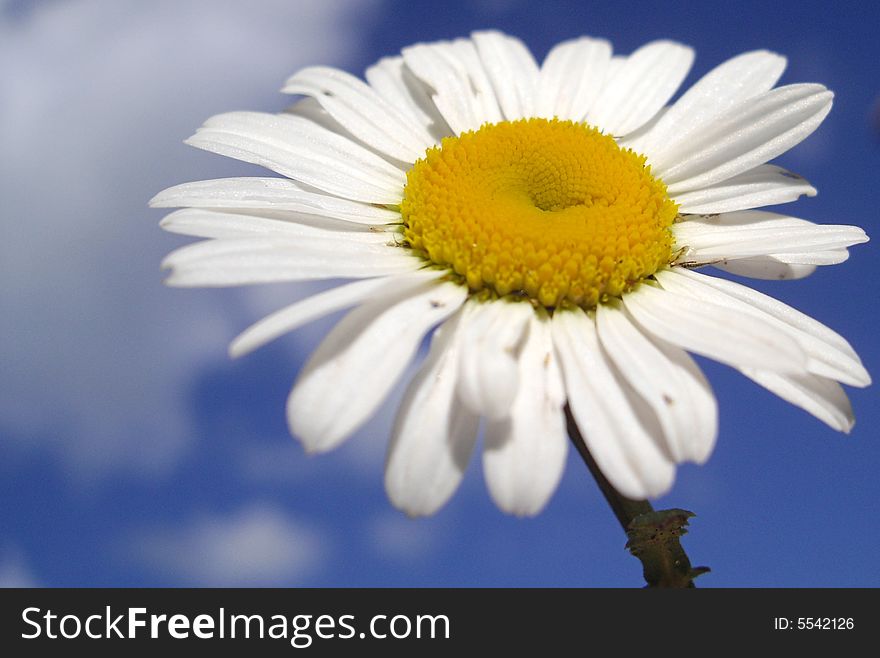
x,y
553,210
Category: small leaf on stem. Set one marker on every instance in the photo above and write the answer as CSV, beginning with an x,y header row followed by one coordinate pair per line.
x,y
654,539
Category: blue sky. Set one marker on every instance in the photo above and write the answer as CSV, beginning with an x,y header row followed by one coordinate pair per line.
x,y
133,452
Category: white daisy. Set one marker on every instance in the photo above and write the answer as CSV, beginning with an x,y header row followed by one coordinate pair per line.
x,y
545,222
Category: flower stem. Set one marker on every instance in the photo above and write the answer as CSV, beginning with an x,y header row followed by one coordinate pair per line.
x,y
625,509
653,535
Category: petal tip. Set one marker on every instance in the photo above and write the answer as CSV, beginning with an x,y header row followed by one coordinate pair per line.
x,y
235,350
415,507
159,200
173,280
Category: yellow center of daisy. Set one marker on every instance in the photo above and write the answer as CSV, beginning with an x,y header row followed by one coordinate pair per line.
x,y
549,209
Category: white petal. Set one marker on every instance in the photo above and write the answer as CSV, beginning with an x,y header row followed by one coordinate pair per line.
x,y
512,70
765,185
819,396
355,366
642,130
363,112
203,223
488,369
451,93
832,257
729,83
667,379
746,234
309,109
397,84
643,84
704,407
317,306
434,434
571,78
765,267
746,135
486,106
713,330
524,454
261,260
615,435
815,246
320,243
298,148
461,90
271,193
616,64
830,355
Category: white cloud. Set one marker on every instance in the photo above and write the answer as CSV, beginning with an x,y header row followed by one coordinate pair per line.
x,y
396,536
257,546
14,571
97,355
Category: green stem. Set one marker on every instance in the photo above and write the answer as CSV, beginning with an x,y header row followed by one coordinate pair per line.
x,y
625,509
653,535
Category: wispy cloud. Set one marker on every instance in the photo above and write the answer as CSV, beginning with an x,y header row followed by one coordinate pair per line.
x,y
397,537
14,570
98,356
258,546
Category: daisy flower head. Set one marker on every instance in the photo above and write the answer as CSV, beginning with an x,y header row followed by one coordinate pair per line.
x,y
545,225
